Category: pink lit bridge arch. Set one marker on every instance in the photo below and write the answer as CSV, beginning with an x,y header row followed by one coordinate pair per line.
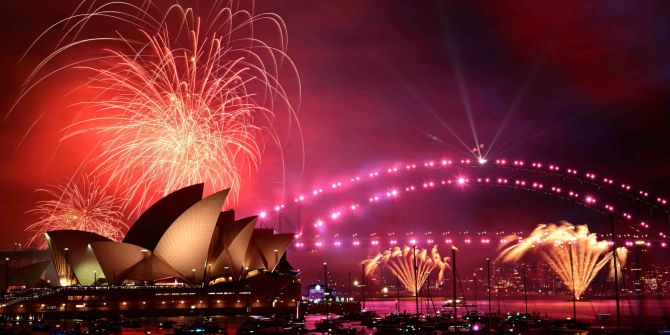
x,y
640,217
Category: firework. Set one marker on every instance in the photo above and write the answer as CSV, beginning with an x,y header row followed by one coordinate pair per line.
x,y
400,261
572,252
179,99
82,205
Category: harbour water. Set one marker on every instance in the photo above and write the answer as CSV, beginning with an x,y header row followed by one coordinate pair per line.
x,y
645,313
654,311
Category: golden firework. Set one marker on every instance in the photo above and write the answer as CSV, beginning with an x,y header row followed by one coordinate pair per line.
x,y
77,205
573,253
400,261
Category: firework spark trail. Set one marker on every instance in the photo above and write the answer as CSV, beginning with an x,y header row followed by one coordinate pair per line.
x,y
621,257
557,243
400,261
178,103
82,205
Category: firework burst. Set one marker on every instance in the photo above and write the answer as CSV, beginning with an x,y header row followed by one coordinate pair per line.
x,y
400,261
572,252
180,99
82,205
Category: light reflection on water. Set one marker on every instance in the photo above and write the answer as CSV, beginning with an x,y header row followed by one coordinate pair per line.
x,y
651,310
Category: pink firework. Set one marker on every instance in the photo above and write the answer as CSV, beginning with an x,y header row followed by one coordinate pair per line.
x,y
80,206
180,99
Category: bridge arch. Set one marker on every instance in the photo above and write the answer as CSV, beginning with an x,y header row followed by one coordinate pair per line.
x,y
636,212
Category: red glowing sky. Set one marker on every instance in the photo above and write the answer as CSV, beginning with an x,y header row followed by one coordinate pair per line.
x,y
380,79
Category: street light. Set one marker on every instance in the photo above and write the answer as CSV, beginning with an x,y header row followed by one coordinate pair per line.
x,y
326,294
7,273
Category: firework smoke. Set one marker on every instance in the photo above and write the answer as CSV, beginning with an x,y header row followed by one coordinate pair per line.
x,y
180,99
400,261
82,205
557,244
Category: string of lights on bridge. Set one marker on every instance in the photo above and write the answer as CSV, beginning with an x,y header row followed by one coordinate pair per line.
x,y
392,240
461,180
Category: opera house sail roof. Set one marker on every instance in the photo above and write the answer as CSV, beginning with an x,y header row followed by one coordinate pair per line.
x,y
229,246
150,226
181,237
125,261
73,257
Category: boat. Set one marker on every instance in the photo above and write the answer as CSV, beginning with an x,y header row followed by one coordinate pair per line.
x,y
367,318
41,327
327,325
261,325
203,326
128,323
460,302
168,324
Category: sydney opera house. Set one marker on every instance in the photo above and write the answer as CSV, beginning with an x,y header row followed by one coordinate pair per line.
x,y
182,255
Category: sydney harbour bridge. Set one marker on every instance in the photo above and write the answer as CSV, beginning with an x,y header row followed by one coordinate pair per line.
x,y
634,214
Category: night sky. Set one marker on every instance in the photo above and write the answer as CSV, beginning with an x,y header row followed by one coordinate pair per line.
x,y
580,84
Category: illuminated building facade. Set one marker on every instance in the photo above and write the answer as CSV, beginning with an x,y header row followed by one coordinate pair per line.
x,y
182,253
